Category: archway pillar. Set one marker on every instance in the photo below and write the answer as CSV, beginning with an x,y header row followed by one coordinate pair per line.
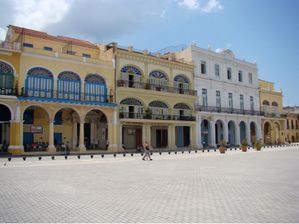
x,y
82,147
16,137
198,132
171,136
248,136
193,135
237,132
51,147
213,140
113,137
225,131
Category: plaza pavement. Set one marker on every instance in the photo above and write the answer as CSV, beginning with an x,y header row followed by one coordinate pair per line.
x,y
196,187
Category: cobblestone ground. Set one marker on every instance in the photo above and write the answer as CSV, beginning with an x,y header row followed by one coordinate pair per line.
x,y
203,187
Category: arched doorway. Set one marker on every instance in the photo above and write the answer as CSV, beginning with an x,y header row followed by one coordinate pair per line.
x,y
95,88
242,131
35,129
4,128
68,86
6,79
231,133
206,133
219,131
66,129
131,76
181,84
267,133
253,136
158,81
96,130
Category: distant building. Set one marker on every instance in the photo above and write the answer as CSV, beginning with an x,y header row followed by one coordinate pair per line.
x,y
228,97
292,123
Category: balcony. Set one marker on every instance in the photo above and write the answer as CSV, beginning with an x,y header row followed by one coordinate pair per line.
x,y
8,91
148,86
66,97
11,45
128,115
228,110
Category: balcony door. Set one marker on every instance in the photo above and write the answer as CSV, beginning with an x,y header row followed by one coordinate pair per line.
x,y
6,79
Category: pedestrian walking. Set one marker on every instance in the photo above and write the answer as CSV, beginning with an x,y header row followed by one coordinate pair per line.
x,y
147,153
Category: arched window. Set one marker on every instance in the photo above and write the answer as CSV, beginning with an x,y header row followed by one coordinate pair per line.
x,y
158,81
131,76
68,86
182,112
131,108
266,103
39,83
274,104
95,88
159,110
6,79
181,84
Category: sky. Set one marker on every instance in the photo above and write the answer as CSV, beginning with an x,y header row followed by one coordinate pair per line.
x,y
261,31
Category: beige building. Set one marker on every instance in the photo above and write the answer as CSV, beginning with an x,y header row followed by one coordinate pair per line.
x,y
292,123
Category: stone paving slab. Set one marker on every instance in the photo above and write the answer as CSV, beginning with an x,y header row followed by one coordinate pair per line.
x,y
196,187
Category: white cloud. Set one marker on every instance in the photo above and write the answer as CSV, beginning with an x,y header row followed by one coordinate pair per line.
x,y
211,6
206,6
190,4
37,14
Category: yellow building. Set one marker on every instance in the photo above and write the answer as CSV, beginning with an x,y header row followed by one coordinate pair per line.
x,y
273,123
156,100
292,123
56,94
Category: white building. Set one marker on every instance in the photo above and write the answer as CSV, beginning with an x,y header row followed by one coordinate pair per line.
x,y
228,97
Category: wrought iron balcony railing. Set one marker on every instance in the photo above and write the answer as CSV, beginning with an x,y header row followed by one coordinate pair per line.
x,y
74,97
228,110
125,115
148,86
8,91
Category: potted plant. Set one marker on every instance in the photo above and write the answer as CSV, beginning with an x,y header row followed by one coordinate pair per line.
x,y
258,145
222,146
244,145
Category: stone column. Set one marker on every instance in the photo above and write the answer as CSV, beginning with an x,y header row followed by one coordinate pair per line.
x,y
51,147
16,137
75,135
198,133
82,147
237,134
171,136
225,131
213,140
248,135
113,141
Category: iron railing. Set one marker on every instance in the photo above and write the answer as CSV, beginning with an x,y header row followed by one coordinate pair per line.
x,y
8,91
161,88
66,96
124,115
228,110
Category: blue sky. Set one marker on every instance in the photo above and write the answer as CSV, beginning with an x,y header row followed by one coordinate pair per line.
x,y
256,30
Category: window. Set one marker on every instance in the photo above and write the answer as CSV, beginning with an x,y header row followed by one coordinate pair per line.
x,y
241,102
48,48
240,75
204,97
86,55
251,103
203,67
28,117
250,78
27,45
229,73
217,70
230,101
218,99
71,52
58,118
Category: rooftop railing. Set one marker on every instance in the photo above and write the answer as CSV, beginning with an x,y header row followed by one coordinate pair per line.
x,y
129,115
148,86
228,110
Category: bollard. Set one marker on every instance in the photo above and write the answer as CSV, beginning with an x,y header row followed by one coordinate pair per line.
x,y
214,150
182,152
195,151
91,156
189,151
102,155
65,157
203,150
124,155
160,153
175,152
52,157
114,155
9,159
169,153
132,154
78,156
24,158
208,150
39,158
